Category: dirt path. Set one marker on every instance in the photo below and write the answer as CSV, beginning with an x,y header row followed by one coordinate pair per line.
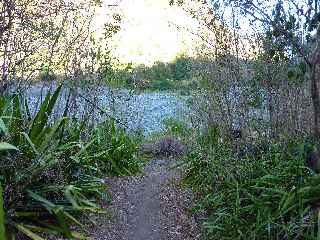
x,y
149,207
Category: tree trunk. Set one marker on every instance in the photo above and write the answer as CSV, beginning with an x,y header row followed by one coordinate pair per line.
x,y
315,99
315,80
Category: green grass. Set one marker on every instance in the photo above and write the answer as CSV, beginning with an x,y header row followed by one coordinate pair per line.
x,y
268,193
2,219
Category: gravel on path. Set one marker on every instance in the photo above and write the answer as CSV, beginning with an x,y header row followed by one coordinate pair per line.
x,y
149,207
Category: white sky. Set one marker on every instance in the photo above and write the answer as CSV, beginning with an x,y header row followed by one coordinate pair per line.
x,y
146,35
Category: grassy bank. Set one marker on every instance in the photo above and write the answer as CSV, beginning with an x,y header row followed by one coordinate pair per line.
x,y
264,190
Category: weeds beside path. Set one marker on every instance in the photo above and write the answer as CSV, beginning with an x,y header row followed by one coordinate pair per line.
x,y
149,207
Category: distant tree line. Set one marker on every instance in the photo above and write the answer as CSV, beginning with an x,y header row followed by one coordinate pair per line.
x,y
159,76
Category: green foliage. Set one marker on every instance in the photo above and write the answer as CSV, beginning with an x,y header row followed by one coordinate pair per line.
x,y
181,67
2,219
113,150
162,85
176,127
160,76
50,170
160,72
268,193
296,73
117,78
46,75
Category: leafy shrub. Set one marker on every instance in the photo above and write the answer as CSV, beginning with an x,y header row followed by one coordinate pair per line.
x,y
159,76
176,127
46,75
114,150
162,85
266,195
49,169
181,67
160,72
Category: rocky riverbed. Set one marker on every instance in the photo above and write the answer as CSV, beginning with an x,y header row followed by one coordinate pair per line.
x,y
137,111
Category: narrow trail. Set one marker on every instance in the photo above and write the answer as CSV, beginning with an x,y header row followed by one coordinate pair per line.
x,y
145,222
149,207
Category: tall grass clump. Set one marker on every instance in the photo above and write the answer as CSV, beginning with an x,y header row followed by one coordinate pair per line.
x,y
264,193
113,150
50,169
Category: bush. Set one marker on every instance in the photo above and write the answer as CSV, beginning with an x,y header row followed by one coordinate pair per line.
x,y
114,150
49,169
160,72
181,67
159,76
162,85
266,195
177,128
46,75
118,78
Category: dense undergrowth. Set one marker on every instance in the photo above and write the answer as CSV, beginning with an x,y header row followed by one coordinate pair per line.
x,y
264,191
52,169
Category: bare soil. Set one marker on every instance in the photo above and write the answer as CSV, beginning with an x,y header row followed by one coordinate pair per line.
x,y
149,207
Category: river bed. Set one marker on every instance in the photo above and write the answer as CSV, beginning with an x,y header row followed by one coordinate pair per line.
x,y
137,111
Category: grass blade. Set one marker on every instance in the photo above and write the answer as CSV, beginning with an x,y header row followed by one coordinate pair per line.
x,y
2,219
6,146
28,232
